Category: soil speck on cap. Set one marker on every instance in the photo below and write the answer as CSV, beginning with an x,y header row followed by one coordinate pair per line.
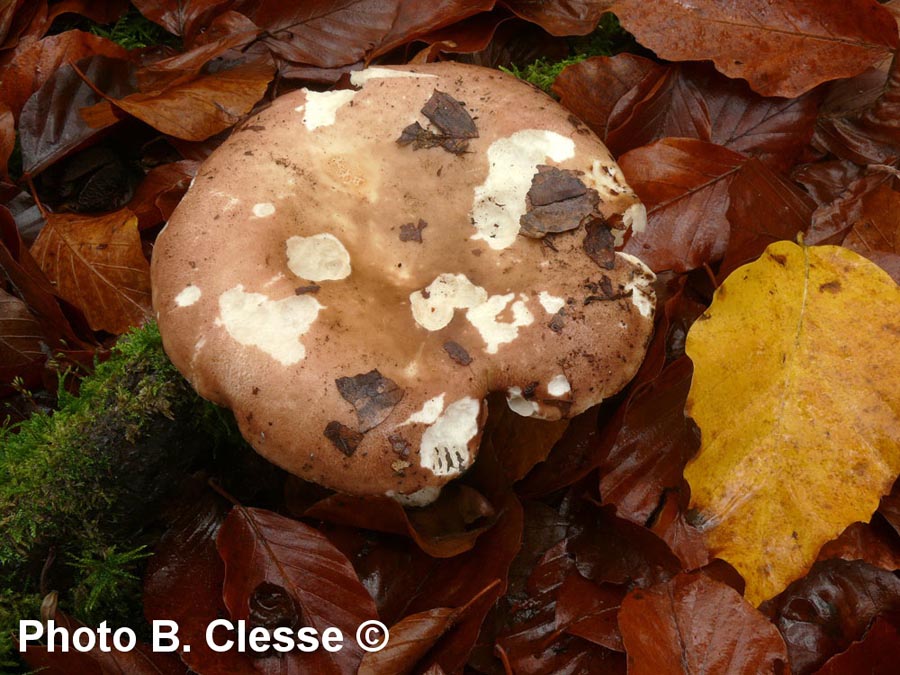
x,y
456,352
410,232
372,395
344,438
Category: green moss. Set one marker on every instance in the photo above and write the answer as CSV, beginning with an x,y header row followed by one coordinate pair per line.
x,y
132,30
609,38
81,487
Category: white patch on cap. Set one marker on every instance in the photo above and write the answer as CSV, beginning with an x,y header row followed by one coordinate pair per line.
x,y
358,78
558,386
635,217
519,404
322,106
512,163
320,257
495,333
274,326
433,308
188,296
641,286
550,303
444,449
428,414
421,497
263,209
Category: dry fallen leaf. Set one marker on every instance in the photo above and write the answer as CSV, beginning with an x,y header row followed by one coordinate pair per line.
x,y
98,265
794,391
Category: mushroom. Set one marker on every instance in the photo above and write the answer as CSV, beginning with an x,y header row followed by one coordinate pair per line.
x,y
353,271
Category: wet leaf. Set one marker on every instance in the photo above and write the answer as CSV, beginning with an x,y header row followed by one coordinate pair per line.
x,y
875,543
410,640
763,208
875,654
805,422
694,624
321,32
181,17
603,90
652,447
590,610
781,47
832,221
183,582
684,184
418,20
876,234
7,138
160,191
201,108
52,125
575,17
443,529
259,546
98,265
22,340
823,613
35,64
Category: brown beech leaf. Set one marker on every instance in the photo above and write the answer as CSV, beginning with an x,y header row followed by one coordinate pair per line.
x,y
98,265
652,447
826,181
160,191
590,610
693,624
602,90
612,550
821,614
763,207
443,529
22,340
533,644
574,17
201,108
181,17
832,221
415,20
670,524
260,547
184,67
410,640
139,661
463,37
29,283
183,583
52,126
876,234
875,543
877,653
781,47
674,107
684,184
36,63
7,138
322,33
413,636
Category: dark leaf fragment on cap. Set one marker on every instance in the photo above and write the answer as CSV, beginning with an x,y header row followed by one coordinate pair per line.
x,y
457,352
399,445
372,395
410,232
557,202
343,437
599,243
454,124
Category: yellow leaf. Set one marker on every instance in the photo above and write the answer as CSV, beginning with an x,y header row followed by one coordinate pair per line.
x,y
795,391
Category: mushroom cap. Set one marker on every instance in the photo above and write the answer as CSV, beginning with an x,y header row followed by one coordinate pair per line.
x,y
353,271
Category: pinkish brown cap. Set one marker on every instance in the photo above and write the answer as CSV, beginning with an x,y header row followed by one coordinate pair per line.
x,y
353,271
